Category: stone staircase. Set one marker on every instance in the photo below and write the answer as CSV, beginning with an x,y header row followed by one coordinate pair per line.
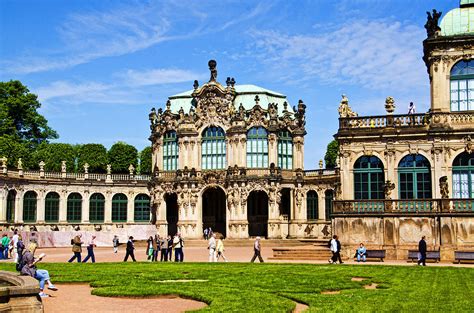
x,y
312,249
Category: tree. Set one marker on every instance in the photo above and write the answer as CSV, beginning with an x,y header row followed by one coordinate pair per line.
x,y
121,155
52,154
332,152
93,154
13,150
145,161
19,117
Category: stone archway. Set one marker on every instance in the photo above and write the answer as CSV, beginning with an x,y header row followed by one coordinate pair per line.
x,y
214,210
257,213
171,200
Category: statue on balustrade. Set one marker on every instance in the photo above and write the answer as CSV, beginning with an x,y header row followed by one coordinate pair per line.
x,y
344,108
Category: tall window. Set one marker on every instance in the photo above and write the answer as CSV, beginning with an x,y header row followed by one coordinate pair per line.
x,y
414,177
11,206
285,150
119,208
96,208
312,205
74,207
170,151
142,208
462,86
368,178
213,150
463,176
51,207
29,207
257,147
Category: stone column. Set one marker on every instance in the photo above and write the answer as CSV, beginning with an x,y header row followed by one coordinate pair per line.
x,y
19,207
322,205
298,145
347,177
63,207
273,149
108,207
40,206
3,205
243,151
181,153
440,86
85,208
130,208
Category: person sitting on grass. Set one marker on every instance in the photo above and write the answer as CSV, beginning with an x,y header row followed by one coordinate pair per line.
x,y
29,268
361,252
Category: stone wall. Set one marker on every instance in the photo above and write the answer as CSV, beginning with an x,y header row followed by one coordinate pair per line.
x,y
398,234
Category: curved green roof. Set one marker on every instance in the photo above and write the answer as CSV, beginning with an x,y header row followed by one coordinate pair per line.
x,y
458,21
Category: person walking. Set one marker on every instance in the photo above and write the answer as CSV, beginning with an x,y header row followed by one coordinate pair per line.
x,y
29,269
211,246
220,248
338,253
257,248
164,249
178,245
170,248
156,248
149,248
5,245
76,248
15,243
20,248
422,251
333,248
205,234
90,250
130,250
115,243
361,251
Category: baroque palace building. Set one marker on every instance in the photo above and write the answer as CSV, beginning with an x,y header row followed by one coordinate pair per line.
x,y
230,157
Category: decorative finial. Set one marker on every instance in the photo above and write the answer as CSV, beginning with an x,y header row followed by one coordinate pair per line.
x,y
131,169
257,100
196,84
212,67
285,106
431,26
232,82
41,165
321,164
168,105
227,81
63,166
19,164
390,105
86,168
109,169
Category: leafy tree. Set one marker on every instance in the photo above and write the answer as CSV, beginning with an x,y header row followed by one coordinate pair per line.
x,y
93,154
13,150
145,161
53,154
19,117
121,155
332,152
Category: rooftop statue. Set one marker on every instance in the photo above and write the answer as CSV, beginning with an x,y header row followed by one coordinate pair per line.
x,y
431,25
344,108
212,67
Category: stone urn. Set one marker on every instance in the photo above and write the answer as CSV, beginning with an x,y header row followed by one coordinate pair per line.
x,y
390,105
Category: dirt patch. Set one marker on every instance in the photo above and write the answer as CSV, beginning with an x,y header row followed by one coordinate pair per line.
x,y
74,298
331,292
358,279
371,286
300,307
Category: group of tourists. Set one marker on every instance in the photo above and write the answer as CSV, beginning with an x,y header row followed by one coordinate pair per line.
x,y
9,246
77,243
167,245
216,248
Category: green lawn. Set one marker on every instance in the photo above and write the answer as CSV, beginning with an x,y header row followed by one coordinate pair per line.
x,y
240,287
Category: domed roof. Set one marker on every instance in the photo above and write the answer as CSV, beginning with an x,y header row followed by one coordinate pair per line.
x,y
459,21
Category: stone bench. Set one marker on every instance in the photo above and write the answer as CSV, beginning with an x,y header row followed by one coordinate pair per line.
x,y
430,255
373,254
463,256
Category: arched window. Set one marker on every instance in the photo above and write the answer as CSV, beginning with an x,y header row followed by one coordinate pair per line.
x,y
29,207
257,147
213,150
312,205
11,198
119,208
463,176
462,86
51,207
414,177
285,150
142,208
329,197
74,208
96,208
170,151
368,178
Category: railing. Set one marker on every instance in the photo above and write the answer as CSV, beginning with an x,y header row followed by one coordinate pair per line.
x,y
77,176
320,172
355,207
381,121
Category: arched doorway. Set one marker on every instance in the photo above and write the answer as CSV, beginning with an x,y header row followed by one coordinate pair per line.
x,y
214,210
257,213
172,213
285,202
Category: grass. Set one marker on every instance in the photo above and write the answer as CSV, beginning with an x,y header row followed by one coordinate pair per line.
x,y
240,287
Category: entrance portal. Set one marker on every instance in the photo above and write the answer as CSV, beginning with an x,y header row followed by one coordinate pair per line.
x,y
285,203
214,210
172,213
257,213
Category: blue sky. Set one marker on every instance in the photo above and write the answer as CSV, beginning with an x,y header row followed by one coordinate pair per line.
x,y
99,66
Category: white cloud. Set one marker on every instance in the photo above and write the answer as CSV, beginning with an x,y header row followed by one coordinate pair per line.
x,y
60,89
371,54
159,76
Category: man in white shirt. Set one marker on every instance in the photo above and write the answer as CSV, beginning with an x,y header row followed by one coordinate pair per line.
x,y
178,248
333,249
90,250
257,248
212,248
15,243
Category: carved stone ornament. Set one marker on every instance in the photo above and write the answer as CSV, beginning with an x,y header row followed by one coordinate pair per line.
x,y
444,187
19,164
387,189
431,26
344,108
390,105
468,142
